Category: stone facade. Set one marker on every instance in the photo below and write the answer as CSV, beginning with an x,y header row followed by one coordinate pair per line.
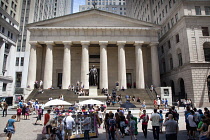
x,y
115,44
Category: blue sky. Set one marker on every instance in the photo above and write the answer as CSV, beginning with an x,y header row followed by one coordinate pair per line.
x,y
76,5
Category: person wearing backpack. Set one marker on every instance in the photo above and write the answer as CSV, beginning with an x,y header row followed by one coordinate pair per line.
x,y
145,119
111,126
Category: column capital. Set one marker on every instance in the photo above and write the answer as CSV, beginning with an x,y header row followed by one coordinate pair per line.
x,y
153,44
85,42
67,42
138,43
103,43
49,42
34,43
120,43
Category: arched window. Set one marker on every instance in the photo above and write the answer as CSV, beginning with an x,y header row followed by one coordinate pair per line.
x,y
206,49
179,55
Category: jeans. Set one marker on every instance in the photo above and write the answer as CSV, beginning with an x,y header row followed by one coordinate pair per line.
x,y
86,135
156,131
4,112
111,135
171,136
144,129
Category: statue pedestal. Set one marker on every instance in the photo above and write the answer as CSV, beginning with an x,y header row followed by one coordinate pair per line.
x,y
93,91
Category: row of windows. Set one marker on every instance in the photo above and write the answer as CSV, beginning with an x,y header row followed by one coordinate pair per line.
x,y
198,10
103,3
9,34
171,64
166,7
5,7
19,61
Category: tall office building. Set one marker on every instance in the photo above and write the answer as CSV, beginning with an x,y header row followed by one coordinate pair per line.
x,y
9,26
114,6
29,11
184,44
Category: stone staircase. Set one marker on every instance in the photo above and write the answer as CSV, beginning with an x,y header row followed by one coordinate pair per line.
x,y
72,98
55,93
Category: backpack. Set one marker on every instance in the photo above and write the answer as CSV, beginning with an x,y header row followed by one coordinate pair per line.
x,y
112,125
175,115
64,121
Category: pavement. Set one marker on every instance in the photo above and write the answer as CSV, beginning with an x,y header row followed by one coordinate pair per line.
x,y
26,130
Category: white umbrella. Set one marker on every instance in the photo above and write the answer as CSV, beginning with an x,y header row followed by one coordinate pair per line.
x,y
91,101
57,102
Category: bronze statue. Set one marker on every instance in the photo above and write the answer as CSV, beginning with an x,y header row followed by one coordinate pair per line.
x,y
93,76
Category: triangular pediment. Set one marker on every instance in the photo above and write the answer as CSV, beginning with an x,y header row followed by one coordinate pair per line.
x,y
93,18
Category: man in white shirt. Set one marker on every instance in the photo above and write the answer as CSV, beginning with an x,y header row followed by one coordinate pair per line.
x,y
192,124
155,118
158,103
68,125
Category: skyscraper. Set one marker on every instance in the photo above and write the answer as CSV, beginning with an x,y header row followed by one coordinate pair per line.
x,y
114,6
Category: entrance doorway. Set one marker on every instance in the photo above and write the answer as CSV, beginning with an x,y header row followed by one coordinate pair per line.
x,y
208,85
59,80
182,93
129,80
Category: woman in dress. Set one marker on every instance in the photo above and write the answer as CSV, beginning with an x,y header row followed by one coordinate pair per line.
x,y
10,127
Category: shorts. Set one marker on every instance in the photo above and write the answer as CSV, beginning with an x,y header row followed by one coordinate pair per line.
x,y
187,127
68,131
193,128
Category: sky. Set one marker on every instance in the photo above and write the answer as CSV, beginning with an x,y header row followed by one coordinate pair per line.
x,y
76,5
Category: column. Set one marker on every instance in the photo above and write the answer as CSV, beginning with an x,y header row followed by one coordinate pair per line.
x,y
66,78
155,65
85,64
2,49
103,65
32,65
48,69
121,64
139,65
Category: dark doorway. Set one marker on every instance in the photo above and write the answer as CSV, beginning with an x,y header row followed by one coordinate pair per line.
x,y
182,93
59,80
129,80
173,90
18,79
208,85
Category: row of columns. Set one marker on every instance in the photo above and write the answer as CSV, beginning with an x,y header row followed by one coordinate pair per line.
x,y
66,80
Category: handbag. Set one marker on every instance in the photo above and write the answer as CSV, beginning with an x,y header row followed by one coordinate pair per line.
x,y
5,129
44,130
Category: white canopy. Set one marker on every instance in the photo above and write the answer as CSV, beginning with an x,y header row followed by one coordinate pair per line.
x,y
91,101
57,102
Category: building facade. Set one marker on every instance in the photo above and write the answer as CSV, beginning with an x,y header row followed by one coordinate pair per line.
x,y
9,26
183,45
121,48
113,6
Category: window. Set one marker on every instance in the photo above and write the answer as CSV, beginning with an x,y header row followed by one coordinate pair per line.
x,y
162,49
169,44
206,49
205,31
165,29
169,26
180,59
207,10
4,87
198,10
22,61
171,63
169,3
176,17
166,7
177,38
2,29
160,17
17,61
163,13
164,65
8,34
172,21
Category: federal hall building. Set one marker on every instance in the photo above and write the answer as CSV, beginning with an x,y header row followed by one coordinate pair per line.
x,y
123,49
